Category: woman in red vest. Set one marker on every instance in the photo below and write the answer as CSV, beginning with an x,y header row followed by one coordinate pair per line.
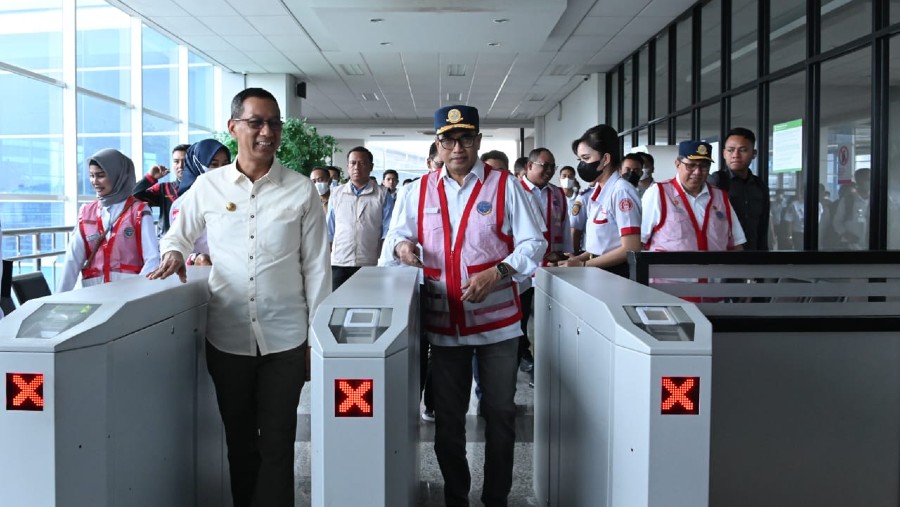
x,y
115,237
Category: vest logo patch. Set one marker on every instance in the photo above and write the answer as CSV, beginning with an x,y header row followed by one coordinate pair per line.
x,y
484,207
576,208
129,232
626,205
93,237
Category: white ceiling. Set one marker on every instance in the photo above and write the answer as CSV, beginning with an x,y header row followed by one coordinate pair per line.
x,y
546,47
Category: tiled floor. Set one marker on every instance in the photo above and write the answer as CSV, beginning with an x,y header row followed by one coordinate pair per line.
x,y
430,482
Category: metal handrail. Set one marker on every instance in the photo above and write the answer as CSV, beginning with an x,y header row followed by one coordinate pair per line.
x,y
35,233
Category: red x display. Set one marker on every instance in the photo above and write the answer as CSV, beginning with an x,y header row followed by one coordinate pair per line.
x,y
353,397
25,391
680,396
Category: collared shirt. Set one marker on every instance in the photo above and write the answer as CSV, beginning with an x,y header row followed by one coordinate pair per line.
x,y
543,196
76,254
608,212
386,210
521,221
270,256
652,212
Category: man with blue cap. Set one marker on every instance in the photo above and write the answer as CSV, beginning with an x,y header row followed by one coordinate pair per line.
x,y
687,214
474,232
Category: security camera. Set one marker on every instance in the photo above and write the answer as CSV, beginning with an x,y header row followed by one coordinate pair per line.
x,y
585,77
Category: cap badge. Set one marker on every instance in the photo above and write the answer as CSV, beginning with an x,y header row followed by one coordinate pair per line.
x,y
701,150
454,116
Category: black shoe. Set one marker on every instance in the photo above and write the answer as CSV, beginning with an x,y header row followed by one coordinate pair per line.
x,y
428,415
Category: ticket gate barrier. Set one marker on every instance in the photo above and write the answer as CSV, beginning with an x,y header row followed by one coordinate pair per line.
x,y
107,399
365,394
622,393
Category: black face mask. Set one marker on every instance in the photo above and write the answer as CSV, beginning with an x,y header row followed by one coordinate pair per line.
x,y
589,171
634,177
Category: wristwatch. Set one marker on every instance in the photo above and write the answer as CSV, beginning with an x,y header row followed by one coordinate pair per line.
x,y
504,270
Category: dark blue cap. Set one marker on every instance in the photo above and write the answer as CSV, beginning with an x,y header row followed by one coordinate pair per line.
x,y
695,150
455,117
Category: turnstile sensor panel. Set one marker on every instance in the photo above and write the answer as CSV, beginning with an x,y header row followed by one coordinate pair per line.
x,y
52,319
664,323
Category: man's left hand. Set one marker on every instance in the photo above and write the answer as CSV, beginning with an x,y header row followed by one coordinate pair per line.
x,y
477,288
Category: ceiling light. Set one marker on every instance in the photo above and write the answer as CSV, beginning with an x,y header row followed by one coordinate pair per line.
x,y
376,20
385,43
352,69
454,97
456,70
370,96
494,44
500,21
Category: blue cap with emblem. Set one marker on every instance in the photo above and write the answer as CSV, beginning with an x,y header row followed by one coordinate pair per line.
x,y
695,150
455,117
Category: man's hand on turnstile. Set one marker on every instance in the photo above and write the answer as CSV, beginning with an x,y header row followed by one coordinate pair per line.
x,y
405,251
172,262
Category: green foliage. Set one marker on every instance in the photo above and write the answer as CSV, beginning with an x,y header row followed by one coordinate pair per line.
x,y
302,148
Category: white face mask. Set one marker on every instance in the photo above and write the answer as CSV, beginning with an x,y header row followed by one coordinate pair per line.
x,y
322,187
335,183
645,173
567,183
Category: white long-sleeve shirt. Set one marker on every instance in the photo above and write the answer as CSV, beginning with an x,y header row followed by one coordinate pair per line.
x,y
76,254
521,221
269,252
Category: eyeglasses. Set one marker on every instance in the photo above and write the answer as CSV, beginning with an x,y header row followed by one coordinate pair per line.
x,y
448,143
257,123
546,165
695,166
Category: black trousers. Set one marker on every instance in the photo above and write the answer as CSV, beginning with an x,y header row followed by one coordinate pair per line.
x,y
258,398
340,274
425,390
452,374
527,300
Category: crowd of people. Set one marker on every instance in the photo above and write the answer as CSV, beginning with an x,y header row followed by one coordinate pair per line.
x,y
279,242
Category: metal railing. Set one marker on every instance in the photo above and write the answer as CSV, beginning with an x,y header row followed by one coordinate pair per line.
x,y
38,249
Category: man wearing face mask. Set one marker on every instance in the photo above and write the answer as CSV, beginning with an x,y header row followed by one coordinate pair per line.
x,y
322,180
632,167
335,173
611,212
646,173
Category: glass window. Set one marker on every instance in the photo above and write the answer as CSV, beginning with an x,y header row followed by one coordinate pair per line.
x,y
103,49
643,85
661,90
844,21
743,111
682,75
786,171
710,119
787,38
661,133
643,138
201,96
160,136
711,50
895,11
160,72
743,41
614,94
31,142
683,128
627,95
893,167
845,152
31,37
101,124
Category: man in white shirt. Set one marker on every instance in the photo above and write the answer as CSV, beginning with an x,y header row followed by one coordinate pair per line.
x,y
470,294
266,234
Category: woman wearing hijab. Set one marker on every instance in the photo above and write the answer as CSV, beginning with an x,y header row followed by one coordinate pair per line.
x,y
201,157
116,237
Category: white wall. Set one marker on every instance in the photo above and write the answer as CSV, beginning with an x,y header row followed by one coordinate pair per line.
x,y
282,86
581,110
